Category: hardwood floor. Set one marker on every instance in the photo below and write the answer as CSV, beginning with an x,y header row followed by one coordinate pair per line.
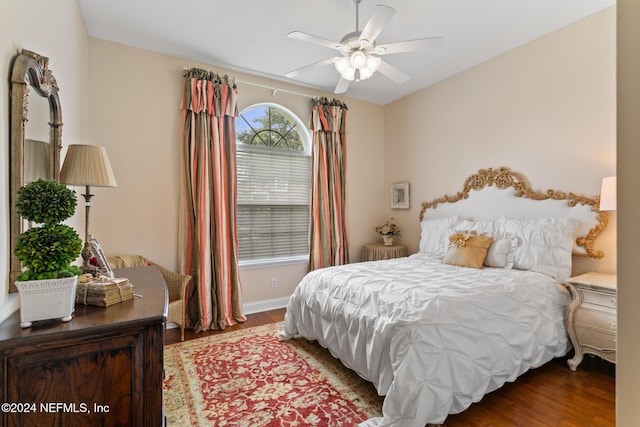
x,y
172,336
551,395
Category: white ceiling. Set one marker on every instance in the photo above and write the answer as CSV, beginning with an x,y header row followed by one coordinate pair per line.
x,y
249,36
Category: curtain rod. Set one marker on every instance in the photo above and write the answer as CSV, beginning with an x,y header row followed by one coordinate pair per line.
x,y
274,90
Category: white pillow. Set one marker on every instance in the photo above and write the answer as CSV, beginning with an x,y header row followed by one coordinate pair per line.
x,y
434,235
544,244
502,251
480,227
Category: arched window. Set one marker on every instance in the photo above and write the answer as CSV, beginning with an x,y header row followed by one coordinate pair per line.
x,y
273,173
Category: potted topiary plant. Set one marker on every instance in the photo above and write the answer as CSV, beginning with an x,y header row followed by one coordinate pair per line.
x,y
47,286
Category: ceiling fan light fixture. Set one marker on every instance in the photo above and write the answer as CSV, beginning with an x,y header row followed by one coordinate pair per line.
x,y
342,64
370,66
365,65
373,63
358,59
345,69
360,55
349,74
364,73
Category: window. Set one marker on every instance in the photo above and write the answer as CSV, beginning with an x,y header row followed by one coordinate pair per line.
x,y
273,173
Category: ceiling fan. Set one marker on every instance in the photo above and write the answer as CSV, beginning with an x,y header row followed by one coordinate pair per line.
x,y
360,55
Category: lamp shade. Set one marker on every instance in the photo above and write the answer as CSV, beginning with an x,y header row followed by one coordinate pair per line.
x,y
87,165
608,194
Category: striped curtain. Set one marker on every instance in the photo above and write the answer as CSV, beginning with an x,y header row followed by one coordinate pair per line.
x,y
208,233
328,224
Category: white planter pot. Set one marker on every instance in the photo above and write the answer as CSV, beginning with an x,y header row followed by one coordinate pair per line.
x,y
46,299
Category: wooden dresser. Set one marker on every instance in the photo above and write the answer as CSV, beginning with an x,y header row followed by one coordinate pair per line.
x,y
103,368
592,317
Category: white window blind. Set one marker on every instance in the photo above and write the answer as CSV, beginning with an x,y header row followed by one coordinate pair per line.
x,y
273,202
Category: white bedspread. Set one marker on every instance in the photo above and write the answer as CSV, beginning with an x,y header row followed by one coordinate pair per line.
x,y
433,338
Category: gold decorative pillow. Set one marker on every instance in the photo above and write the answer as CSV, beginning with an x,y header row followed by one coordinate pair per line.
x,y
467,249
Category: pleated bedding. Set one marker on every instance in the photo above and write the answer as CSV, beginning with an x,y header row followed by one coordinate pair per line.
x,y
433,338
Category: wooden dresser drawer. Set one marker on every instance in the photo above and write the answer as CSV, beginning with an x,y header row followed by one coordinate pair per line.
x,y
596,320
598,298
596,339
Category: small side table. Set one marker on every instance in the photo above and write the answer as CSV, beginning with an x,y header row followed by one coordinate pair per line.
x,y
380,251
592,317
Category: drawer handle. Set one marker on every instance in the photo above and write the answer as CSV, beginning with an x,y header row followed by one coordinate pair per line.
x,y
613,325
613,340
614,302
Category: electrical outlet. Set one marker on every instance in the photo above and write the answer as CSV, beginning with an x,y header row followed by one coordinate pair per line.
x,y
274,282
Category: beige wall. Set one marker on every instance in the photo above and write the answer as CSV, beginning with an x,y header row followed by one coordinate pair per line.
x,y
135,98
628,369
56,31
546,109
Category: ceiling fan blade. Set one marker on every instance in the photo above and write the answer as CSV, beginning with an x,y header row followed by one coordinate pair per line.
x,y
294,73
392,72
381,15
305,37
342,86
409,45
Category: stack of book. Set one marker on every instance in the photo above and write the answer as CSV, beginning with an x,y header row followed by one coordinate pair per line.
x,y
104,291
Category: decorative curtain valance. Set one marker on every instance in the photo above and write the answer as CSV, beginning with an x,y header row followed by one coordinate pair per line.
x,y
206,91
328,223
328,115
208,229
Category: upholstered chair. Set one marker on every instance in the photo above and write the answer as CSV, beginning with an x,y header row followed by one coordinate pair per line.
x,y
176,284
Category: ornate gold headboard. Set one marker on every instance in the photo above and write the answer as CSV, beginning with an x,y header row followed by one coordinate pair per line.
x,y
592,220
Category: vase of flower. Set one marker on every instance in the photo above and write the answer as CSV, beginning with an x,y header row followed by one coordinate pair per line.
x,y
387,231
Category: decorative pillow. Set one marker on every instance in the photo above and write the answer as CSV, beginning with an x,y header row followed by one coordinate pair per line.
x,y
545,244
502,251
467,249
434,235
480,227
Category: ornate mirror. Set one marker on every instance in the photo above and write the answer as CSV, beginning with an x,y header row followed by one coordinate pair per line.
x,y
36,135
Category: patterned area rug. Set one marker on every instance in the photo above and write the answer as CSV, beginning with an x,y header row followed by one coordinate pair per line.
x,y
251,378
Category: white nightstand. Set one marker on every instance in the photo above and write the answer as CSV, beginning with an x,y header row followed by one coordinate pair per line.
x,y
593,316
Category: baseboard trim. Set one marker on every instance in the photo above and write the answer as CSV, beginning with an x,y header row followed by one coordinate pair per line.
x,y
266,305
254,307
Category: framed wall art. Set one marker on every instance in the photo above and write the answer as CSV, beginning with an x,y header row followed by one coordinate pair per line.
x,y
400,196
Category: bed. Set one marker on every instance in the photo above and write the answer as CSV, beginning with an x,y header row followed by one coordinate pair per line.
x,y
480,303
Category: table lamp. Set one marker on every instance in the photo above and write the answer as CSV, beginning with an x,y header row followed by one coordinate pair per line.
x,y
608,194
87,165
